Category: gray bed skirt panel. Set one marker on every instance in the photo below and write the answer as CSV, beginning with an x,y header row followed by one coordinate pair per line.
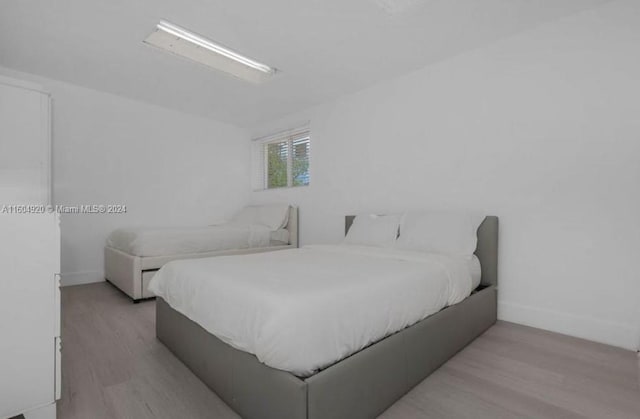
x,y
248,386
360,386
368,382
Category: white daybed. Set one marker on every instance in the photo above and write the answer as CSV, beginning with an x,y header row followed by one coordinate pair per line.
x,y
133,256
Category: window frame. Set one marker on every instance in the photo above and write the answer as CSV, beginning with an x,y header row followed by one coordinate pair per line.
x,y
289,137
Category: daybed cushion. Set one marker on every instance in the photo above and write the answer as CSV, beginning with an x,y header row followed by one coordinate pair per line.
x,y
181,240
274,216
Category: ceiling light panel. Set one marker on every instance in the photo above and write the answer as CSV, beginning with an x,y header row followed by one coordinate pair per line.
x,y
187,44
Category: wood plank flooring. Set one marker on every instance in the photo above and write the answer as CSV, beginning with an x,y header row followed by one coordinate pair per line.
x,y
113,367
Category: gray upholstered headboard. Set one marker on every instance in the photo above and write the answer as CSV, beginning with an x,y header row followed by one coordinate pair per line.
x,y
486,250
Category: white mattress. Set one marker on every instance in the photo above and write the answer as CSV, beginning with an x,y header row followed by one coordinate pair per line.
x,y
180,240
301,310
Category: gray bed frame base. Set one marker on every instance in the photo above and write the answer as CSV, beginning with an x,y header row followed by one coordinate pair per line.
x,y
362,385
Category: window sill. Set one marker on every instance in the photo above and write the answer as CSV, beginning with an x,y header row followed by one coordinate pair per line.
x,y
282,188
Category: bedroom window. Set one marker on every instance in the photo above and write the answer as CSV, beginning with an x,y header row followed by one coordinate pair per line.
x,y
282,160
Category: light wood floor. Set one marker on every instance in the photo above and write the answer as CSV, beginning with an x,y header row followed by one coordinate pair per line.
x,y
113,367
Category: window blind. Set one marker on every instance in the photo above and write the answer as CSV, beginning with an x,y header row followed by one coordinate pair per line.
x,y
282,160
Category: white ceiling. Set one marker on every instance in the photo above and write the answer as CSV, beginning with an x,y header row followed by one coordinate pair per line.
x,y
324,48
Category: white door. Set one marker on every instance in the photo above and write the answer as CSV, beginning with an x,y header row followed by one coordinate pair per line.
x,y
29,252
24,144
29,257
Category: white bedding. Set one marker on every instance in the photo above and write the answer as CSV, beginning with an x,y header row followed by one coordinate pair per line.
x,y
280,237
180,240
301,310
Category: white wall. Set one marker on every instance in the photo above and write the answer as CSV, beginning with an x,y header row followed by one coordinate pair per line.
x,y
541,129
167,167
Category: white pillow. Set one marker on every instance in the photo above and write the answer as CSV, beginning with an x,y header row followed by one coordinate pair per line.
x,y
274,217
247,215
373,230
439,232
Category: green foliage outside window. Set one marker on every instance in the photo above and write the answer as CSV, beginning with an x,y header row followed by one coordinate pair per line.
x,y
278,154
300,169
277,165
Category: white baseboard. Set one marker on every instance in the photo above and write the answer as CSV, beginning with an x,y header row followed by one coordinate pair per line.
x,y
77,278
616,334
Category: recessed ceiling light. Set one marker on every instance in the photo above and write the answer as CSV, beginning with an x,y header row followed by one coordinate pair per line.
x,y
182,42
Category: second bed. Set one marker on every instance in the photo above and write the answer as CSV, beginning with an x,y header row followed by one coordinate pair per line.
x,y
133,256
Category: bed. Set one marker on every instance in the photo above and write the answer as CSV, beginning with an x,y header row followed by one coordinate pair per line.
x,y
361,385
133,256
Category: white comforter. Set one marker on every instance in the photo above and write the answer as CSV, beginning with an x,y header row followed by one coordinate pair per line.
x,y
301,310
181,240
